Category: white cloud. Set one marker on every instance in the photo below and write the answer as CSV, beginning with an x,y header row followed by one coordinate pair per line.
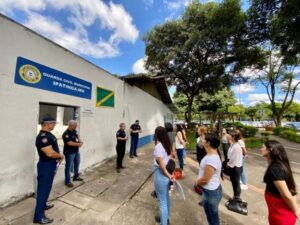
x,y
139,66
7,6
148,3
244,88
174,6
81,15
256,98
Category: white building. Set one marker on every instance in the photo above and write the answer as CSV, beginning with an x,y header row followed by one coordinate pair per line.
x,y
39,77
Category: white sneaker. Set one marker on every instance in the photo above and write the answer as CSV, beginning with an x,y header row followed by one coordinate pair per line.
x,y
244,186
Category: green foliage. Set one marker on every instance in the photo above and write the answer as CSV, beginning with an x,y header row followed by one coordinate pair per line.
x,y
236,125
276,21
254,142
248,131
288,133
251,111
291,135
236,109
194,51
278,130
191,136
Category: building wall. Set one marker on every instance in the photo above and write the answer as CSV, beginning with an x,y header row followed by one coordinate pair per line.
x,y
20,108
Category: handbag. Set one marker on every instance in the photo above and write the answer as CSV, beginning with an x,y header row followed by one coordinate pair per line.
x,y
171,165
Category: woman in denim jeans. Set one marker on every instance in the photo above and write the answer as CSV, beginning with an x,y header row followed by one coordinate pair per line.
x,y
209,178
162,177
180,143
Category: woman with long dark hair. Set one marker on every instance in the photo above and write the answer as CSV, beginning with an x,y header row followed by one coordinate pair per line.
x,y
209,178
180,143
162,177
280,191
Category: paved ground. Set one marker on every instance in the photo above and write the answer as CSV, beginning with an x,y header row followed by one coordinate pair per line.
x,y
109,198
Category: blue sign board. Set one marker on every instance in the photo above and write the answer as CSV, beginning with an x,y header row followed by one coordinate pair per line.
x,y
35,75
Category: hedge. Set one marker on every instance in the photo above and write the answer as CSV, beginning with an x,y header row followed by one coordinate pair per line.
x,y
288,133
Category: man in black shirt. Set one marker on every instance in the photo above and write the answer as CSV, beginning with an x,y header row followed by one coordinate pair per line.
x,y
72,143
121,146
49,158
135,129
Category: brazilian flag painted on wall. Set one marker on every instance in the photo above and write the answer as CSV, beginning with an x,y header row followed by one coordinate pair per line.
x,y
105,98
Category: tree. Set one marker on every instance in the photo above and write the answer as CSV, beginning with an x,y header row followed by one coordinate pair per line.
x,y
279,79
278,22
251,111
293,112
215,105
202,50
236,110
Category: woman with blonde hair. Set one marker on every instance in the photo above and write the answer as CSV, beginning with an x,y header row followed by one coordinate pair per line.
x,y
202,131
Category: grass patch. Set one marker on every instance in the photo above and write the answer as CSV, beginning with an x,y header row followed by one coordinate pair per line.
x,y
191,136
254,142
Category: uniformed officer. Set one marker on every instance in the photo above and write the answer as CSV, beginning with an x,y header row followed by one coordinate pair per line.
x,y
135,129
72,143
121,146
49,157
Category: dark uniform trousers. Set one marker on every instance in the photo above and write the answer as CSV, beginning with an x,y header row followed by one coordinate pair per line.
x,y
46,172
120,155
134,145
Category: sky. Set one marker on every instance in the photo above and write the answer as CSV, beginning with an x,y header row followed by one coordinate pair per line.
x,y
108,33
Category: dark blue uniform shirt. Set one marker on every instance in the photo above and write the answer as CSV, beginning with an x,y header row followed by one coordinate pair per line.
x,y
67,136
121,134
135,127
45,139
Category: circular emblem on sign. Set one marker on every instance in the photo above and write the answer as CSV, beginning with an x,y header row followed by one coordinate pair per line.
x,y
30,74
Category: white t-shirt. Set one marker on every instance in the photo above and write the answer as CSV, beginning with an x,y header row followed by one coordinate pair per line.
x,y
242,143
235,155
215,162
160,152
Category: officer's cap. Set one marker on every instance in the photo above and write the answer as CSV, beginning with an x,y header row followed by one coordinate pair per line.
x,y
137,121
48,119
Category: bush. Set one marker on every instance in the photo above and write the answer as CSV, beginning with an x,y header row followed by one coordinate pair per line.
x,y
291,135
254,142
237,125
248,131
266,134
278,130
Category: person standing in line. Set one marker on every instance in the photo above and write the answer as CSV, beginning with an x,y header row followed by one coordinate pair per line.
x,y
245,156
121,146
162,177
209,178
280,193
170,130
49,158
72,143
202,131
180,143
184,131
235,161
135,130
225,143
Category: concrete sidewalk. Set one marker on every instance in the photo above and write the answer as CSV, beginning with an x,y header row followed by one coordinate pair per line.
x,y
109,198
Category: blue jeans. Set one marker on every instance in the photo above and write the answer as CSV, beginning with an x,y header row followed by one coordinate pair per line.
x,y
162,185
72,160
45,176
243,175
211,200
180,152
133,145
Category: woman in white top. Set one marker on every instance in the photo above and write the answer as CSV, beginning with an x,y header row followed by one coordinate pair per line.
x,y
245,156
235,157
225,142
180,143
209,178
162,177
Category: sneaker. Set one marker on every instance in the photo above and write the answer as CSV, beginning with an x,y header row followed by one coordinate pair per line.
x,y
45,220
244,186
131,156
157,219
123,167
118,170
70,185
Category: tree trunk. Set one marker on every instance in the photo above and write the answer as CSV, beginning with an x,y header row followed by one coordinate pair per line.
x,y
188,114
277,120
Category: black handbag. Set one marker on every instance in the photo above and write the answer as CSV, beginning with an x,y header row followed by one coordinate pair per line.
x,y
171,165
237,206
